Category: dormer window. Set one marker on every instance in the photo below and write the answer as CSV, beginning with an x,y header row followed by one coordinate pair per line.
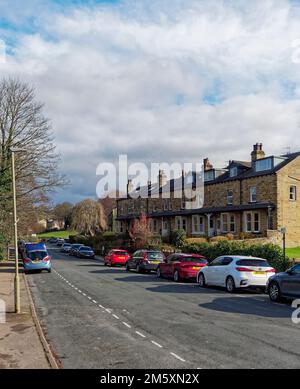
x,y
263,164
209,175
233,171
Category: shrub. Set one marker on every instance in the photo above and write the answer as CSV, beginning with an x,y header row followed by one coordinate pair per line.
x,y
167,249
218,238
195,240
272,253
178,238
155,242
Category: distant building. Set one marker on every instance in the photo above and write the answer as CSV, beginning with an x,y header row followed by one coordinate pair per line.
x,y
256,197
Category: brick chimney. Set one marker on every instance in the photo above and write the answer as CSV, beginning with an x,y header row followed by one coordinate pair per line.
x,y
207,165
162,178
257,152
129,187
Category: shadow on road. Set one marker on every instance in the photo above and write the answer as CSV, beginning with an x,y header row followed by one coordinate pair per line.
x,y
249,306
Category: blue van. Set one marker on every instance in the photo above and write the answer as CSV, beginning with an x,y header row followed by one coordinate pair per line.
x,y
36,257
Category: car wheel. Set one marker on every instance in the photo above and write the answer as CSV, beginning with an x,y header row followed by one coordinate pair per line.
x,y
230,285
158,273
49,270
176,276
201,280
274,292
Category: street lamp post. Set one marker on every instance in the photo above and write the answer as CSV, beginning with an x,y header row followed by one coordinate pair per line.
x,y
17,280
283,232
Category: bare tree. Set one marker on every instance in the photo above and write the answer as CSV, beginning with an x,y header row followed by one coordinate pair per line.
x,y
139,231
88,217
23,125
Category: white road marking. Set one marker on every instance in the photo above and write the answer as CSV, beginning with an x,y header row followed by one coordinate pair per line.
x,y
156,344
84,294
95,302
140,334
108,310
116,317
101,306
126,324
178,357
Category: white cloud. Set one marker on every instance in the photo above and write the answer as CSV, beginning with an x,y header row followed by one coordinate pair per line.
x,y
112,79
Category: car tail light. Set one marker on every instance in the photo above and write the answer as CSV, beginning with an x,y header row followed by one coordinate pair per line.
x,y
271,270
145,259
245,269
27,260
46,259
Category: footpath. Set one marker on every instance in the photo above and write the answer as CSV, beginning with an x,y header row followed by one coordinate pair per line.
x,y
22,344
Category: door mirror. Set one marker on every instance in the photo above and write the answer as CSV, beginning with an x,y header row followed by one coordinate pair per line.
x,y
290,272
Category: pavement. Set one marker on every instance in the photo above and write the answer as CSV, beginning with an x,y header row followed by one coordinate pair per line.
x,y
20,344
101,317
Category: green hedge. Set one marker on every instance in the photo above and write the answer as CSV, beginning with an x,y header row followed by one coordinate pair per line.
x,y
272,253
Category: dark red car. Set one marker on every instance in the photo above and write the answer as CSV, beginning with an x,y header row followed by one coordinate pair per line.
x,y
181,266
116,257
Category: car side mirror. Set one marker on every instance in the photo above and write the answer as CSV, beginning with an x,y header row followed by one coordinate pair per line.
x,y
290,272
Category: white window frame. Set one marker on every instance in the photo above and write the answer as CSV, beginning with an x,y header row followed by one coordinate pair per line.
x,y
223,224
230,202
254,222
248,221
232,222
253,193
195,224
293,193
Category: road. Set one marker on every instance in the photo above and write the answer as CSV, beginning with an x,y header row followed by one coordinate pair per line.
x,y
99,317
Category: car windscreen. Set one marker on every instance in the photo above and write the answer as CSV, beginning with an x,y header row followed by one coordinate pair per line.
x,y
155,255
76,246
253,262
193,259
119,253
67,245
37,255
85,249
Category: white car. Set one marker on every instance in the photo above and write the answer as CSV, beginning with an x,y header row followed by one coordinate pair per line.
x,y
233,272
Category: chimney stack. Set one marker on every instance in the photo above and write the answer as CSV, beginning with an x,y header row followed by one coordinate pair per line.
x,y
207,165
162,178
129,187
258,152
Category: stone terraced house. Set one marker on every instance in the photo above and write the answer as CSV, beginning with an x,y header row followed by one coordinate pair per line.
x,y
247,198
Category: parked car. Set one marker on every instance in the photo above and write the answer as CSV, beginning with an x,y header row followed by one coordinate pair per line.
x,y
116,257
145,261
285,285
234,272
181,266
52,240
85,252
74,248
66,247
36,258
60,242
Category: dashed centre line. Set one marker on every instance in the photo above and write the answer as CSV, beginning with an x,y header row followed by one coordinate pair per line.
x,y
109,310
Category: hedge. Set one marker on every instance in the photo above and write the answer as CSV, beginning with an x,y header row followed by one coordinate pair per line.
x,y
272,253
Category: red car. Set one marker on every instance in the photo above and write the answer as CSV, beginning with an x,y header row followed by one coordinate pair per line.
x,y
181,266
116,257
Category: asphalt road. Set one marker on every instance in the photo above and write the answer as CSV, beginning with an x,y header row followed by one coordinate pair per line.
x,y
99,317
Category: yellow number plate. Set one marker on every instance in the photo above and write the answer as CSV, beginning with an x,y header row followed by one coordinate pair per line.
x,y
259,273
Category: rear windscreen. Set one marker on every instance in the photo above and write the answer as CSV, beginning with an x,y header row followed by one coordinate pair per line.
x,y
119,253
193,259
37,255
253,262
155,255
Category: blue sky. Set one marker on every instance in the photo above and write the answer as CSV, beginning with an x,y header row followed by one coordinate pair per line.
x,y
160,80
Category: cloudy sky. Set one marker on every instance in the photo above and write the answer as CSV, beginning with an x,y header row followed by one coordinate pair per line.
x,y
158,80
